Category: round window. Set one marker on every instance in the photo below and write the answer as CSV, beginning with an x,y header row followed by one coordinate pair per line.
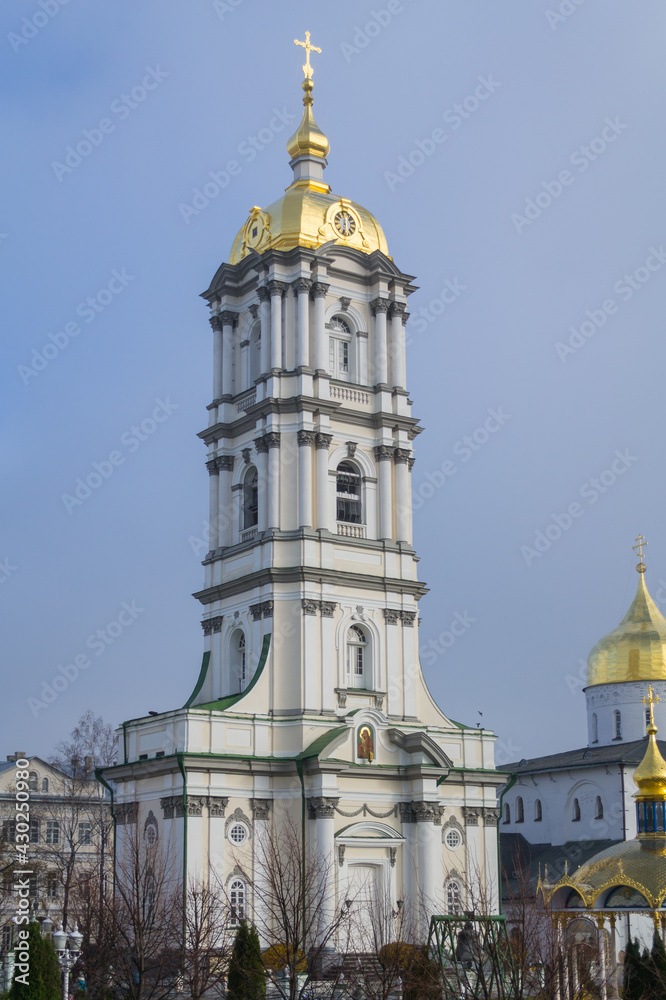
x,y
453,839
150,835
238,833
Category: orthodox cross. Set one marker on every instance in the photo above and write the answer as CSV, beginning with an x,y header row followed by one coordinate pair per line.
x,y
307,69
638,549
651,699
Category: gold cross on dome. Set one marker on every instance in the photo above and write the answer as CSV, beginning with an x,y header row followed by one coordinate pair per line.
x,y
307,69
638,549
651,699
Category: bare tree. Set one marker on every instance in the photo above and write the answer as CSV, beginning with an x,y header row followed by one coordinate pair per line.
x,y
147,912
92,743
294,906
208,939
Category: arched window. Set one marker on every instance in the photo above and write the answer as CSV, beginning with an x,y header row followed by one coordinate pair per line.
x,y
33,781
575,813
538,813
617,724
453,894
520,810
238,660
357,645
250,499
45,784
237,896
255,353
348,494
595,728
598,808
339,349
507,813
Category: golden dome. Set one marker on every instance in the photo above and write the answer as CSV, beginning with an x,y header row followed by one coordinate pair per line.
x,y
636,649
638,864
308,214
650,775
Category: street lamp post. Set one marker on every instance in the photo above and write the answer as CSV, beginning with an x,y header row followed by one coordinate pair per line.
x,y
67,956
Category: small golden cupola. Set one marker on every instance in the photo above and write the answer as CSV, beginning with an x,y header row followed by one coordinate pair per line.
x,y
650,780
636,649
308,214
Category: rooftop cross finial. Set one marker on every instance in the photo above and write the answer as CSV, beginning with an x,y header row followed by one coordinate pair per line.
x,y
638,549
307,69
651,699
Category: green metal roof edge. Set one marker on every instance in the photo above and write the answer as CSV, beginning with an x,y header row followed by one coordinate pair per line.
x,y
222,703
320,743
458,724
200,682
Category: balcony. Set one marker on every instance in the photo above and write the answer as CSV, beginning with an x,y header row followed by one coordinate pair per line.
x,y
247,400
351,530
349,396
248,535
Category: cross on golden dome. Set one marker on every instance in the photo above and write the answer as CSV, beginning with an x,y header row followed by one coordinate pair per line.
x,y
638,549
307,69
651,699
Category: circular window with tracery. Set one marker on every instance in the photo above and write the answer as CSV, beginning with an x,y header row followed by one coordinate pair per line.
x,y
345,223
453,839
150,835
238,833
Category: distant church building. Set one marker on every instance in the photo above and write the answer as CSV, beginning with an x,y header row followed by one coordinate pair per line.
x,y
581,800
310,693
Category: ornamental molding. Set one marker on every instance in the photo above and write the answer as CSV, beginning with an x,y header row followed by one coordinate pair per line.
x,y
398,308
319,289
261,445
272,439
344,303
452,823
229,318
263,610
126,812
306,437
263,294
277,287
311,607
322,808
471,815
254,310
351,448
379,306
393,615
383,452
323,440
301,285
225,463
365,810
401,456
341,855
216,322
172,806
261,808
238,816
217,805
393,853
212,624
491,817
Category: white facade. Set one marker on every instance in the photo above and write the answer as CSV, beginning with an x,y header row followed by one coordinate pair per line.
x,y
616,713
310,687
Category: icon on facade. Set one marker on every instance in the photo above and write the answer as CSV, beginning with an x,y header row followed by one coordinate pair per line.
x,y
366,744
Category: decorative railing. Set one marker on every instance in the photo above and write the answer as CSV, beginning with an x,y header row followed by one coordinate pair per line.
x,y
348,395
248,535
247,401
351,530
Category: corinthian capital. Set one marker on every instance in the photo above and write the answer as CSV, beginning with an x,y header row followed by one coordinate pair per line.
x,y
306,437
398,308
319,288
323,440
380,305
229,318
277,287
322,808
301,285
216,322
263,293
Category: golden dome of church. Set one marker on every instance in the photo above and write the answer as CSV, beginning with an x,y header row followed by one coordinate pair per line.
x,y
308,214
636,649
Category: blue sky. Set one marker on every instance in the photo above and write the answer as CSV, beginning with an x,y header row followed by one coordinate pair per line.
x,y
539,209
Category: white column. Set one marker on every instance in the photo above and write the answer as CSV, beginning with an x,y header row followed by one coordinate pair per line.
x,y
273,442
260,813
380,354
324,812
602,957
491,888
322,444
430,864
556,978
319,289
229,320
403,498
262,482
214,503
216,324
305,442
383,455
613,957
398,365
276,288
265,317
302,288
225,510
